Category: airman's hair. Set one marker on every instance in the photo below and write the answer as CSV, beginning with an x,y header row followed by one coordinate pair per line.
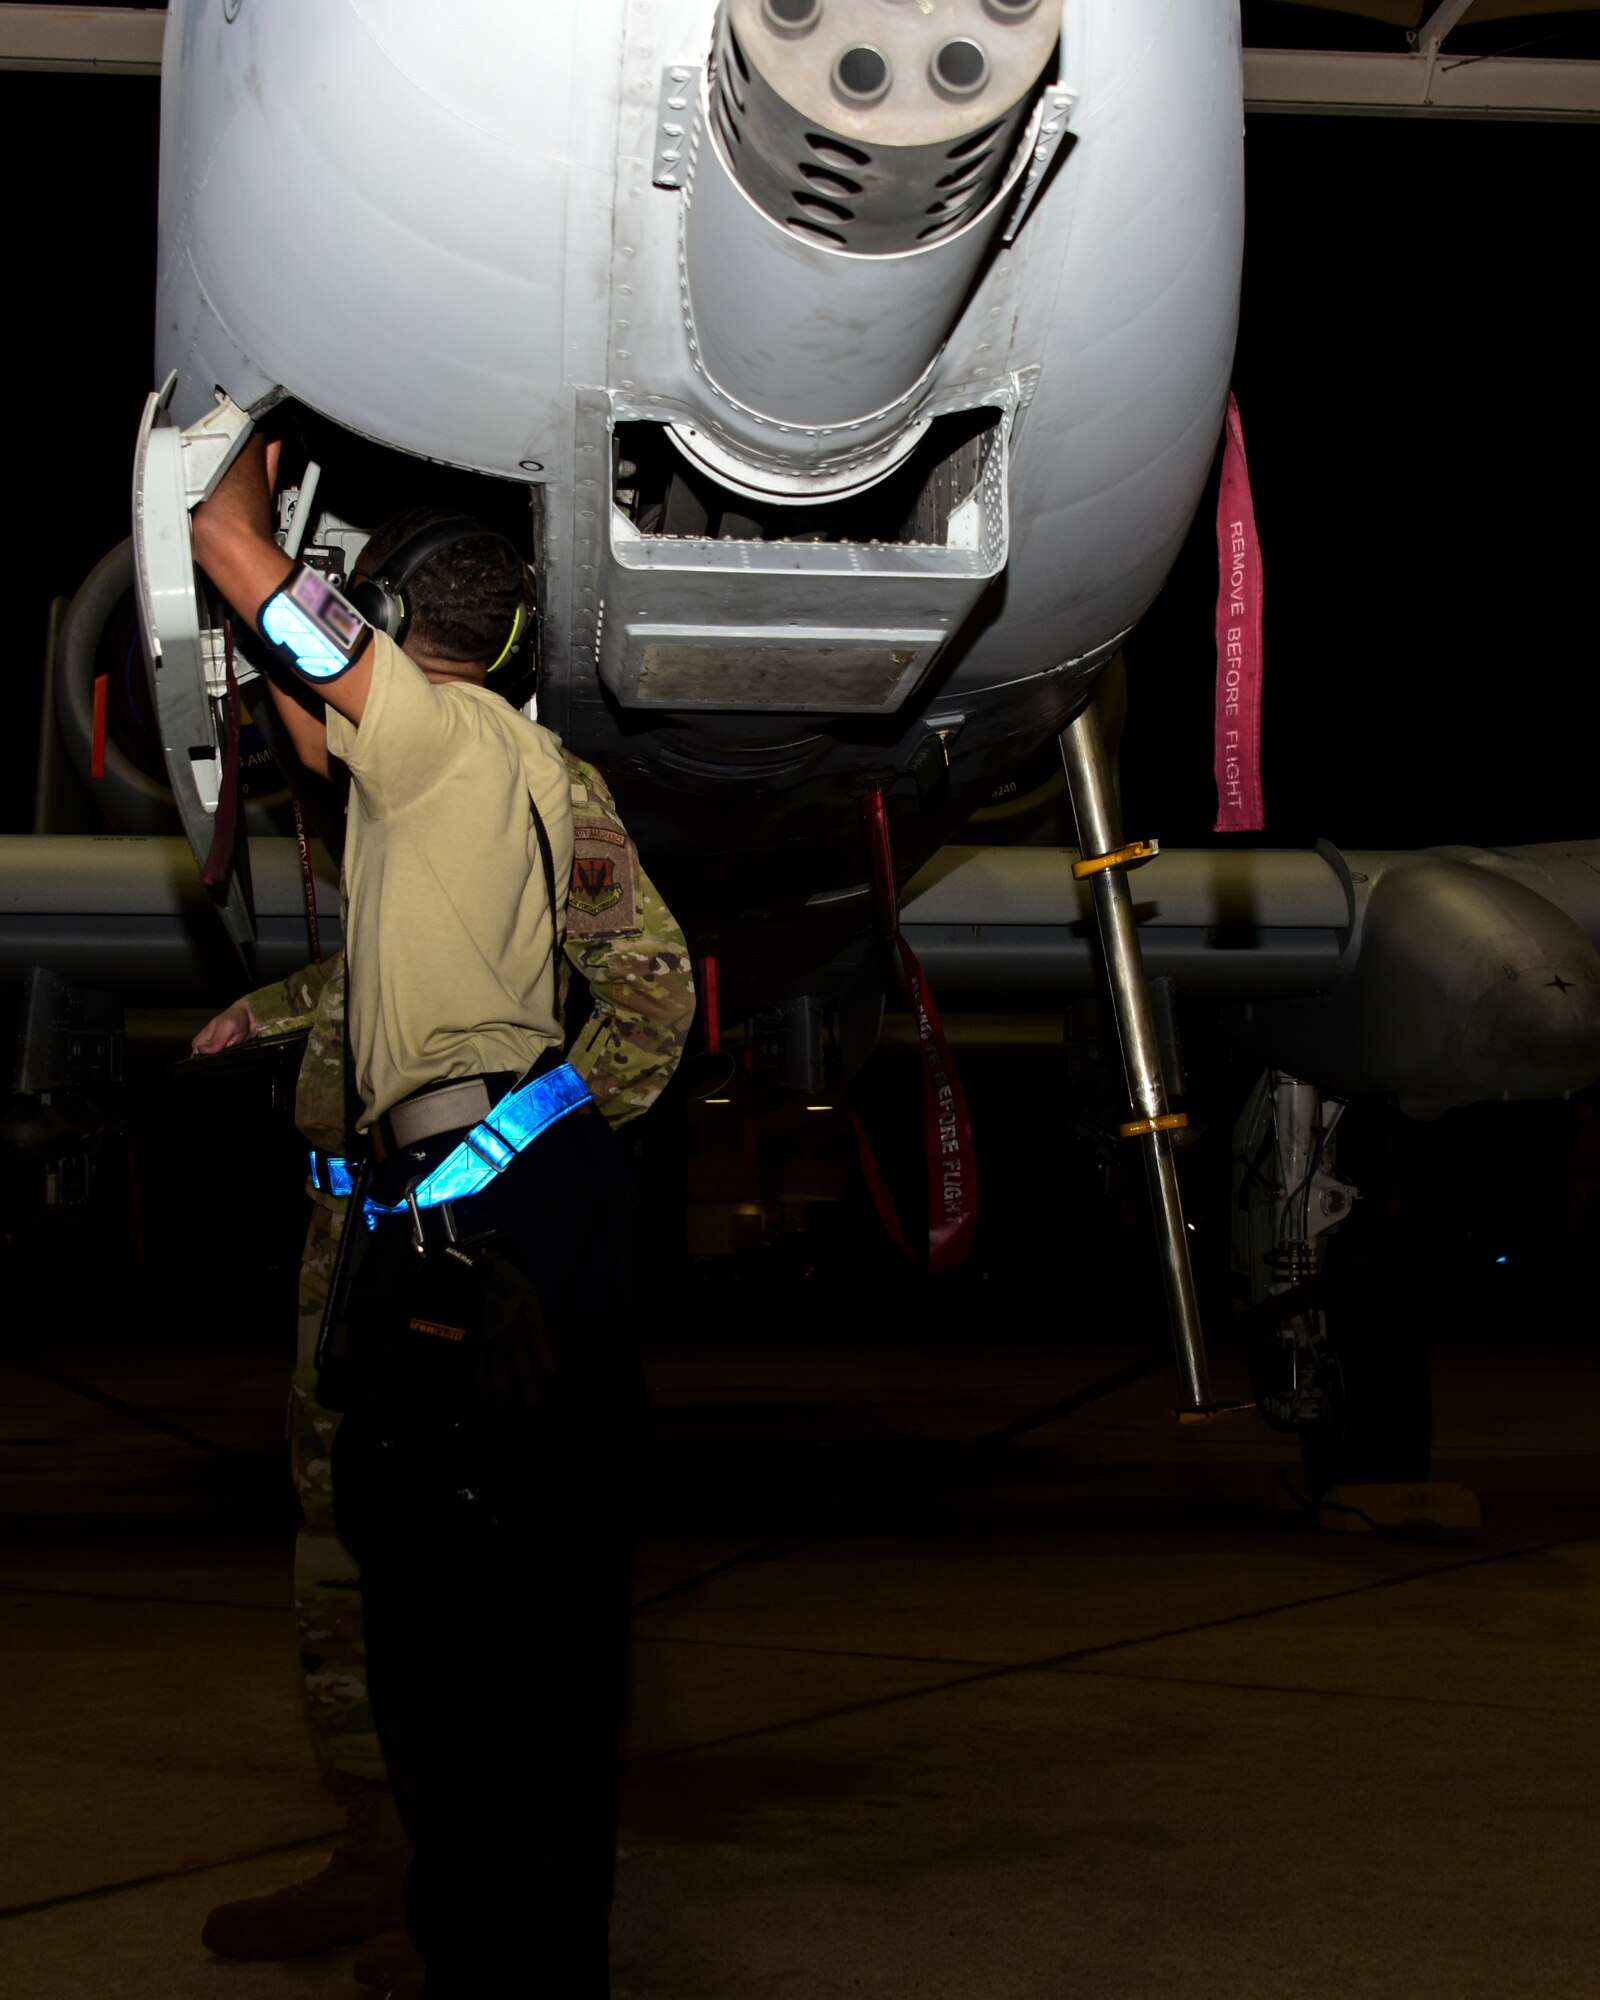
x,y
462,598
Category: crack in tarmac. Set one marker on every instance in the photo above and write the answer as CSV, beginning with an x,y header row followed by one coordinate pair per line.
x,y
10,1911
1055,1662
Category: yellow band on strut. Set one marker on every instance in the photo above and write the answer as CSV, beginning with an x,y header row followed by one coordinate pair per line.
x,y
1141,1128
1134,855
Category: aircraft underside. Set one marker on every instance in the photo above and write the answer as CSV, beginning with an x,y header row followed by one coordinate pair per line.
x,y
849,378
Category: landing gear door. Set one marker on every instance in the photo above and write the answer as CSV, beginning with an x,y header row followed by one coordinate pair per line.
x,y
173,471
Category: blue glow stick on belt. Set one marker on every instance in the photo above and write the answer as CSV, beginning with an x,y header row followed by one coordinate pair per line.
x,y
490,1147
341,1175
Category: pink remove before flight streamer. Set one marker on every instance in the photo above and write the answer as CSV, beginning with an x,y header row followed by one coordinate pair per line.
x,y
1238,746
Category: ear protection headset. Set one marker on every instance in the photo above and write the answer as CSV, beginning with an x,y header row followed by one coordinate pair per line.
x,y
381,601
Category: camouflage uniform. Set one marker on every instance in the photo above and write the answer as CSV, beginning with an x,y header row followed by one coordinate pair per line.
x,y
624,941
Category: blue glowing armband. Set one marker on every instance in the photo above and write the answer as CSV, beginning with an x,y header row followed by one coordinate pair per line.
x,y
311,627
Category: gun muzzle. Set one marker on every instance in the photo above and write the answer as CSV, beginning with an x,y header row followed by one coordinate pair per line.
x,y
853,161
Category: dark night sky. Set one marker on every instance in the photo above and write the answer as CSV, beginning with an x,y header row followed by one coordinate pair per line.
x,y
1415,371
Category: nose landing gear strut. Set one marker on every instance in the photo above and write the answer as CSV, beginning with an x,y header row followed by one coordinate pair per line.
x,y
1105,862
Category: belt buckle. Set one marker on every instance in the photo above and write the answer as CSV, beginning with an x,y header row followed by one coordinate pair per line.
x,y
469,1140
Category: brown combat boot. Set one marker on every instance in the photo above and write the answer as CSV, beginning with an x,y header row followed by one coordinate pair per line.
x,y
389,1962
354,1897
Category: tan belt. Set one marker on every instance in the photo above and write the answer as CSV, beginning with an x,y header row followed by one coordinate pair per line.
x,y
450,1108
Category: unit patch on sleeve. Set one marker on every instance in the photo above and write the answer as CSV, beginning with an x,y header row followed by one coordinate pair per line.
x,y
603,898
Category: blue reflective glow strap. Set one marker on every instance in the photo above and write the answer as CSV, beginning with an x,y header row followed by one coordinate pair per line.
x,y
341,1175
490,1147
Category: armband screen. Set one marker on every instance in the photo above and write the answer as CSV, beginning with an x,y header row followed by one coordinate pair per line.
x,y
314,629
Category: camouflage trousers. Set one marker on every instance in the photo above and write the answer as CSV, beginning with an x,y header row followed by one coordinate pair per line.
x,y
327,1585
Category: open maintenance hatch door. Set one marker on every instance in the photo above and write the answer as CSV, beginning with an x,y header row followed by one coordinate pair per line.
x,y
184,644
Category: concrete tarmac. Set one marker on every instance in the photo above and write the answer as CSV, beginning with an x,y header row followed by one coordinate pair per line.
x,y
1084,1714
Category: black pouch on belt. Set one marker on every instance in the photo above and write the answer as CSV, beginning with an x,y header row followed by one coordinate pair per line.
x,y
427,1334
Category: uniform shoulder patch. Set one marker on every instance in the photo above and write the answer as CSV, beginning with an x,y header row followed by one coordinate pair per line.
x,y
603,897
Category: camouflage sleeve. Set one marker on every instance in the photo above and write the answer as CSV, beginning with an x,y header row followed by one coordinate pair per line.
x,y
313,999
320,1103
288,1004
627,945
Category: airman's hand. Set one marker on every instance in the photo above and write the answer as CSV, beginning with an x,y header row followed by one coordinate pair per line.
x,y
226,1030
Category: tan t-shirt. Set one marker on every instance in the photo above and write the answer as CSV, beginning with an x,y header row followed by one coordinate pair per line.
x,y
450,939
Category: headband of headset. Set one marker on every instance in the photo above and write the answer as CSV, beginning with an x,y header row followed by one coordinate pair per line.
x,y
379,597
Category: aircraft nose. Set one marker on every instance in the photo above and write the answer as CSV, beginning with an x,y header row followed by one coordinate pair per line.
x,y
1534,1030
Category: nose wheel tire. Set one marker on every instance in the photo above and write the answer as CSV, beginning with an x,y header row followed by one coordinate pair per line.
x,y
1375,1424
